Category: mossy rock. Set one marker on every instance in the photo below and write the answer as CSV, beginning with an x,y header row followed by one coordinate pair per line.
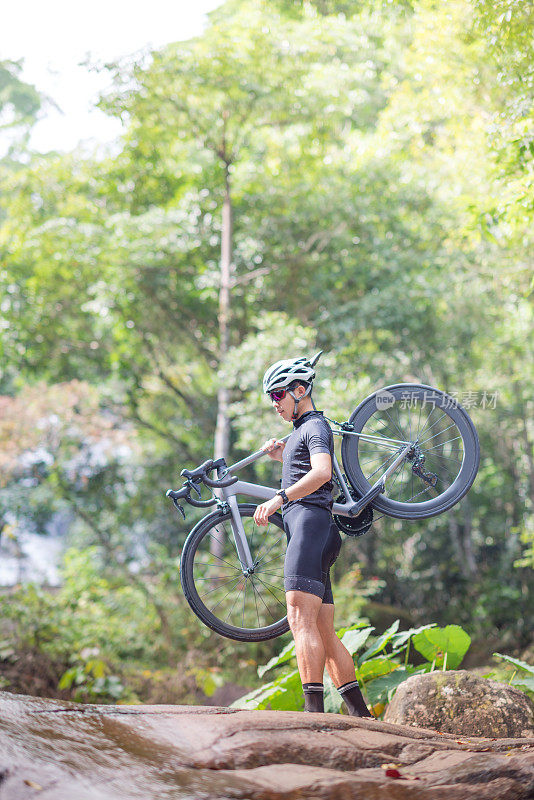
x,y
464,704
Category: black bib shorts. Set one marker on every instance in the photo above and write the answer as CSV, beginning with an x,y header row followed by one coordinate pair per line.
x,y
313,546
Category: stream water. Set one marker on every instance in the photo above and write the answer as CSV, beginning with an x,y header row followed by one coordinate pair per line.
x,y
97,753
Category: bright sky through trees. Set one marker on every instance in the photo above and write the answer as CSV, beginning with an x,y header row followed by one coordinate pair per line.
x,y
55,37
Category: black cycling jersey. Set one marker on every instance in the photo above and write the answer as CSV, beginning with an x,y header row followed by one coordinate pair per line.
x,y
311,434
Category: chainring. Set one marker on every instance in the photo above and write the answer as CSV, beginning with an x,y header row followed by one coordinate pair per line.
x,y
354,526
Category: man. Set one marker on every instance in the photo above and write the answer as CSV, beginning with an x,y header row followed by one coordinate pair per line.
x,y
313,539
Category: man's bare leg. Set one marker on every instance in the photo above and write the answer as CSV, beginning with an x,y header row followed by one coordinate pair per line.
x,y
302,611
339,663
338,660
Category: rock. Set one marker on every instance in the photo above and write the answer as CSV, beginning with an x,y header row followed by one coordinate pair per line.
x,y
460,703
60,751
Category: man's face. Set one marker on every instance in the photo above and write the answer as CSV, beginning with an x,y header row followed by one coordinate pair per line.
x,y
286,406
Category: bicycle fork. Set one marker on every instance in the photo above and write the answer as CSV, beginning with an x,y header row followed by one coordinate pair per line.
x,y
240,538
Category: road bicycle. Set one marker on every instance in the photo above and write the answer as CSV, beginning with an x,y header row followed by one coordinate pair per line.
x,y
408,451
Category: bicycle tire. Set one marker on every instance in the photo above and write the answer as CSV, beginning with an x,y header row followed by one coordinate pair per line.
x,y
200,567
450,487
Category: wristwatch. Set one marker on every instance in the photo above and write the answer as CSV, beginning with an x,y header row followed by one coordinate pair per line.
x,y
283,495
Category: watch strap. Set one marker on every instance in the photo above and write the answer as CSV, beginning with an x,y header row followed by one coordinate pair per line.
x,y
283,495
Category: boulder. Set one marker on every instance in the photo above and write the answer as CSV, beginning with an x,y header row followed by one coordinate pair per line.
x,y
62,751
460,703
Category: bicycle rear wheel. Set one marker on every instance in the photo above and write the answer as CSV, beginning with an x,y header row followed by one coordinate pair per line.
x,y
247,608
443,460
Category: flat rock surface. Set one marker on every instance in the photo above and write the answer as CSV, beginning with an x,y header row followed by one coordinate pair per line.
x,y
63,751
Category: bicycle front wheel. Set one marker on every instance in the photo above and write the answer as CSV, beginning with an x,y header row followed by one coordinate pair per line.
x,y
443,459
246,607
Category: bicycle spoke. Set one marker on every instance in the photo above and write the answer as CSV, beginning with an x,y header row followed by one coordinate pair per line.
x,y
398,409
275,574
263,601
395,424
255,601
434,423
428,449
440,455
220,558
418,421
225,596
233,606
270,592
439,433
258,559
244,597
384,464
268,583
396,478
212,536
219,563
216,588
442,469
276,558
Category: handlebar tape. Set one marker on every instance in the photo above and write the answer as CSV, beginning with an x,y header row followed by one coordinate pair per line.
x,y
220,484
199,472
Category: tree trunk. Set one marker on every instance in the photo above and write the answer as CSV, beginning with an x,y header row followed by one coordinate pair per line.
x,y
222,430
467,541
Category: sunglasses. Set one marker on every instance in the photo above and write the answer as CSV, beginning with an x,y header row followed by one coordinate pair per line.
x,y
277,395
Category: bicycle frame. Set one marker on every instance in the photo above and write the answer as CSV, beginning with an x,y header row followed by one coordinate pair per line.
x,y
350,508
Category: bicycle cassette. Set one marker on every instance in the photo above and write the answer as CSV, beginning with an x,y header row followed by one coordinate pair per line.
x,y
354,526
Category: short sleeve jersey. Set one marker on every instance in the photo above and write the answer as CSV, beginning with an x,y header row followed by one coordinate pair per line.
x,y
312,434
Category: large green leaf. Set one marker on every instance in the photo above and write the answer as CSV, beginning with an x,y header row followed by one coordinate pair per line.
x,y
517,663
374,667
437,644
401,638
524,682
284,693
355,639
382,689
289,696
285,655
381,642
332,699
253,698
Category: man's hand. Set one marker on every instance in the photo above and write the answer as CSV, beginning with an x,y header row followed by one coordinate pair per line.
x,y
274,448
263,512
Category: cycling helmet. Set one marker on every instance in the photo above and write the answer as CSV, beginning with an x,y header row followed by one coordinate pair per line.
x,y
283,373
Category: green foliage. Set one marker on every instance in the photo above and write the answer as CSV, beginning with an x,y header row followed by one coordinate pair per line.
x,y
522,681
380,669
20,103
444,647
91,682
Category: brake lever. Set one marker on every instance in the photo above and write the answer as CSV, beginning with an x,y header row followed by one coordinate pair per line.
x,y
178,507
193,485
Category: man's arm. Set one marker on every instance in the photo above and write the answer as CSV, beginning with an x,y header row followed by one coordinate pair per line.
x,y
320,473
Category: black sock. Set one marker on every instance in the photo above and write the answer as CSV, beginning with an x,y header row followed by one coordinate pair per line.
x,y
313,696
353,697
